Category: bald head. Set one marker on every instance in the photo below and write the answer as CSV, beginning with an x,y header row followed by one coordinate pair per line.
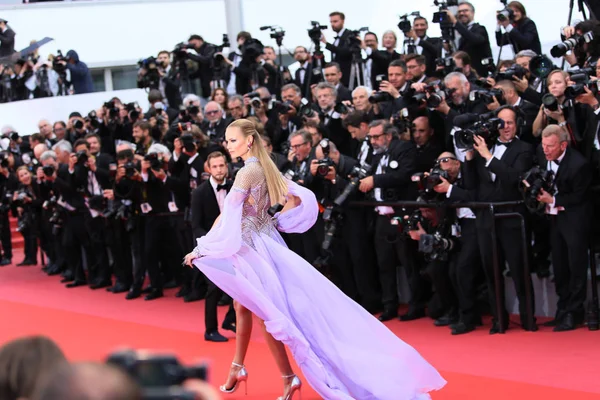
x,y
448,162
45,128
39,149
213,112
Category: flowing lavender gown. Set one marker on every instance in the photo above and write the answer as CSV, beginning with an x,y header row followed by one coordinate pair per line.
x,y
343,351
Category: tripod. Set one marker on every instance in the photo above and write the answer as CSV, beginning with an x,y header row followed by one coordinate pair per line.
x,y
502,46
356,75
317,69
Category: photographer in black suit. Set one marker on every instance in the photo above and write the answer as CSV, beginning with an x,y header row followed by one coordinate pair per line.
x,y
570,212
7,39
340,48
498,171
430,48
393,166
208,200
471,37
520,31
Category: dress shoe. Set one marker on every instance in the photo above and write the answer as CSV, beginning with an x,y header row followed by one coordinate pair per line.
x,y
229,326
447,319
100,284
412,315
184,291
147,289
192,296
67,278
133,293
566,324
552,322
26,263
118,288
76,284
5,261
461,328
388,315
172,284
496,328
215,337
154,294
54,271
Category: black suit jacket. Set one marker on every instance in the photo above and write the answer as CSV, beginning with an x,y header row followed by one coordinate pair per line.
x,y
342,55
381,61
205,209
309,78
524,36
530,112
516,160
395,181
432,49
343,93
7,45
476,42
572,182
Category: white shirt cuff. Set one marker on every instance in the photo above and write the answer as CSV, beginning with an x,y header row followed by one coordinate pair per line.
x,y
144,177
553,204
488,162
449,192
508,28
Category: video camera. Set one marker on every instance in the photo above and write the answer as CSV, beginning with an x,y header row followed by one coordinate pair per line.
x,y
152,77
571,43
531,185
404,24
218,49
160,376
448,63
315,32
440,17
251,49
56,63
485,125
426,182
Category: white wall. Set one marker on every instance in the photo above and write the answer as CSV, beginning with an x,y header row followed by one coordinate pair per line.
x,y
119,30
23,116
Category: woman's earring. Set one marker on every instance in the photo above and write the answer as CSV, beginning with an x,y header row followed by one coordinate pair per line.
x,y
249,146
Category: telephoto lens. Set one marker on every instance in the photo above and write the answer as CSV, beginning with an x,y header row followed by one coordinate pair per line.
x,y
550,102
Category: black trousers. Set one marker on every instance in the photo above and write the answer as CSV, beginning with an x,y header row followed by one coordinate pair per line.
x,y
510,249
308,244
213,295
121,249
539,229
444,298
465,267
5,236
570,263
99,269
393,249
137,237
47,239
160,242
75,238
31,244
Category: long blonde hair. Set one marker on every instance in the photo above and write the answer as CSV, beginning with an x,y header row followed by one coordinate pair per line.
x,y
276,184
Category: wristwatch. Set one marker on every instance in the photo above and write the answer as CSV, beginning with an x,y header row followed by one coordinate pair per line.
x,y
564,123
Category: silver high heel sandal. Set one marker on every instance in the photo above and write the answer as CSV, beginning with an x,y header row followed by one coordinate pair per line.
x,y
240,376
296,385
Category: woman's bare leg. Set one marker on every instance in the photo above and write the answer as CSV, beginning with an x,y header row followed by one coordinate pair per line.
x,y
281,359
242,340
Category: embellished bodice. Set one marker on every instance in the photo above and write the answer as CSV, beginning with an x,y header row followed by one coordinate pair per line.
x,y
251,181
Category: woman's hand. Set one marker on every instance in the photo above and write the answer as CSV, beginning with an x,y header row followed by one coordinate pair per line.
x,y
189,259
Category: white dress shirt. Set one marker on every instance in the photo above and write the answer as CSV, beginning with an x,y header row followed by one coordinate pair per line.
x,y
551,209
220,194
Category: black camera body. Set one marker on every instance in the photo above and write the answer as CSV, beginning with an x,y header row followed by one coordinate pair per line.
x,y
48,170
514,71
427,183
251,49
570,44
485,125
113,111
582,81
380,97
316,31
487,96
4,159
160,376
531,185
411,222
435,246
156,163
441,17
82,157
281,107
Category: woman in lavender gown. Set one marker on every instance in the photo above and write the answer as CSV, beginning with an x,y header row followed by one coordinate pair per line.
x,y
343,351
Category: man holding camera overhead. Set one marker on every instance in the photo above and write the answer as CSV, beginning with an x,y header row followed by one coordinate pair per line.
x,y
340,48
470,37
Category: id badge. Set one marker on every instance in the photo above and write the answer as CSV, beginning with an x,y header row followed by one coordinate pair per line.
x,y
173,207
146,208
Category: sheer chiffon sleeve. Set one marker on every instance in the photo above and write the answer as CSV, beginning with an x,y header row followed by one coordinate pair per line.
x,y
301,218
225,238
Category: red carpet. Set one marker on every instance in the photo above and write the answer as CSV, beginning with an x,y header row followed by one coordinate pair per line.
x,y
89,324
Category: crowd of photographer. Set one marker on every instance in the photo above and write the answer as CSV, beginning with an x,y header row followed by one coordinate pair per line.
x,y
440,123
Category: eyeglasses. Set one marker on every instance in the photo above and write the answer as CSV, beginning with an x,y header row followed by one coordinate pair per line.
x,y
374,137
446,159
211,112
297,146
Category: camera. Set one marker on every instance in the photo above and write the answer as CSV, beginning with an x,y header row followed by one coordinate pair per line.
x,y
359,172
4,159
78,124
485,125
218,49
82,157
448,63
280,107
531,185
306,111
411,222
550,102
402,121
251,49
160,376
48,170
571,43
581,82
316,31
404,24
380,97
426,183
113,110
156,163
506,14
188,142
487,96
56,63
441,17
436,95
514,71
435,246
324,164
129,169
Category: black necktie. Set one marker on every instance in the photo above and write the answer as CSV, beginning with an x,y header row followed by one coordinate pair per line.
x,y
224,187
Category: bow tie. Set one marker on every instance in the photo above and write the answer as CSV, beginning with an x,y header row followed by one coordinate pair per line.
x,y
557,162
336,38
301,69
224,187
499,143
